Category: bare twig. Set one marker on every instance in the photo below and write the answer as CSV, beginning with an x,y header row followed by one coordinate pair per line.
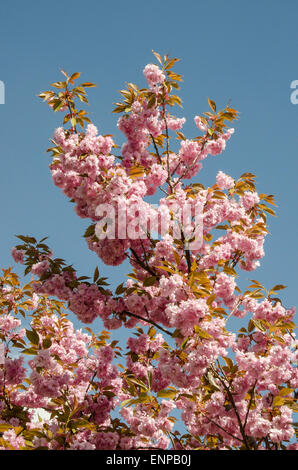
x,y
147,320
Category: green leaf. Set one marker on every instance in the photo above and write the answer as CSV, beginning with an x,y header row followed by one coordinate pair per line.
x,y
74,76
165,268
5,427
170,63
202,333
90,231
29,351
58,105
285,391
150,378
278,401
151,101
183,345
32,336
26,239
167,393
251,325
139,383
96,274
120,289
47,343
260,325
278,287
88,84
149,281
158,56
228,361
212,105
211,380
59,85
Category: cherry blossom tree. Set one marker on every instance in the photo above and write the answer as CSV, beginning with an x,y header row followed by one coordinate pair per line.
x,y
233,389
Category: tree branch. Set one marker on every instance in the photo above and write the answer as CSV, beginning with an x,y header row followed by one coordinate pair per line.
x,y
147,320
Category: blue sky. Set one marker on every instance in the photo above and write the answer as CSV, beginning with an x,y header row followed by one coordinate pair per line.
x,y
242,51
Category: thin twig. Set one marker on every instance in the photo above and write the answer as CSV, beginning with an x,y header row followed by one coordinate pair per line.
x,y
147,320
250,403
142,264
220,427
90,383
192,164
156,149
231,398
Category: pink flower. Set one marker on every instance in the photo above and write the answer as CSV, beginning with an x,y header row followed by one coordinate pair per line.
x,y
224,181
215,147
18,255
199,123
250,199
40,268
175,123
153,75
17,442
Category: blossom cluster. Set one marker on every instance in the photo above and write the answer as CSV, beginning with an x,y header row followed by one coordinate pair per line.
x,y
177,301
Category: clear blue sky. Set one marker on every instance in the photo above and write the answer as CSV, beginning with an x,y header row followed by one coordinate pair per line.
x,y
245,51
